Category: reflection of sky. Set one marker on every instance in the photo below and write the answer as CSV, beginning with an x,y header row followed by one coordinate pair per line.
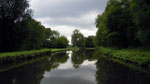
x,y
66,74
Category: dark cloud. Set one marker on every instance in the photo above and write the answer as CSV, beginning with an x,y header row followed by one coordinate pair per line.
x,y
67,15
63,8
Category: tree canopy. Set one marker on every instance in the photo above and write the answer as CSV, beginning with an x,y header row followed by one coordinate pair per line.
x,y
77,39
124,23
19,31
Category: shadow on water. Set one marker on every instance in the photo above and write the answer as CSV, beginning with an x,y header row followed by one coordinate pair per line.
x,y
32,73
109,72
75,67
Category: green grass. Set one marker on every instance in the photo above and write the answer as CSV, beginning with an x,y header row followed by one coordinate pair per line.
x,y
29,52
15,59
22,62
58,50
132,55
10,57
22,53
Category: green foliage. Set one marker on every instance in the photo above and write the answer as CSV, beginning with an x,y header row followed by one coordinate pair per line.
x,y
78,39
78,57
89,41
133,55
11,13
29,34
62,42
21,53
123,24
141,12
51,36
19,31
102,31
54,40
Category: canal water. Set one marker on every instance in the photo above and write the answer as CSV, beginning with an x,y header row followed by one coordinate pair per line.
x,y
80,67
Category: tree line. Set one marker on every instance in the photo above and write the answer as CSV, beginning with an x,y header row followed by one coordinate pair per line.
x,y
19,31
124,24
78,40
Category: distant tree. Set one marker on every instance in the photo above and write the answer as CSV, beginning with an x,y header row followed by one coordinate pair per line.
x,y
77,58
49,35
89,41
62,42
54,40
51,38
78,39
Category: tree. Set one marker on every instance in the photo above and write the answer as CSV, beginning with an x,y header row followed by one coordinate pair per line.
x,y
141,12
115,26
89,41
11,12
77,58
29,34
49,35
77,39
54,40
101,34
62,42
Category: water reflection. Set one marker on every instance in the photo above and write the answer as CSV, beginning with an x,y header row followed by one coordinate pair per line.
x,y
67,74
74,67
109,72
32,73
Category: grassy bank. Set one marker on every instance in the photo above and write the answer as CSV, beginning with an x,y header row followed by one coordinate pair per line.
x,y
136,56
12,54
9,57
29,52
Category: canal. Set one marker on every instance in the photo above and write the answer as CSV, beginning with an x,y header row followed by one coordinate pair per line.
x,y
78,67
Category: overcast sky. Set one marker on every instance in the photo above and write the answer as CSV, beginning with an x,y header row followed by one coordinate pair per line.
x,y
68,15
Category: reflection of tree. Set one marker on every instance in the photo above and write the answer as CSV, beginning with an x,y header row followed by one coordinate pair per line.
x,y
109,72
32,73
78,58
90,55
61,57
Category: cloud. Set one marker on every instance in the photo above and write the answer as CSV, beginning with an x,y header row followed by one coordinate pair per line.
x,y
84,20
84,75
68,15
62,8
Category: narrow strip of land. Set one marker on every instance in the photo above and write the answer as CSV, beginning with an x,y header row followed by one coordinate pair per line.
x,y
22,55
140,57
19,53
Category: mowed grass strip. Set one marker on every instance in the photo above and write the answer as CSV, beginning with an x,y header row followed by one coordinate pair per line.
x,y
133,55
30,52
20,53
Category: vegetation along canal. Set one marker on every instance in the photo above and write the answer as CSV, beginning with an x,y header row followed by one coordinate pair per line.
x,y
75,67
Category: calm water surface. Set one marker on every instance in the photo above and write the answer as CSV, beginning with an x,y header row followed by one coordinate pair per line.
x,y
82,67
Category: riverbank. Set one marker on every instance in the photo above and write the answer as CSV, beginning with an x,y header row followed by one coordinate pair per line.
x,y
140,57
9,57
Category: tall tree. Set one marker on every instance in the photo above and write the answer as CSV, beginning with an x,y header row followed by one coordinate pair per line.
x,y
11,12
115,26
89,41
77,39
141,12
62,42
29,34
